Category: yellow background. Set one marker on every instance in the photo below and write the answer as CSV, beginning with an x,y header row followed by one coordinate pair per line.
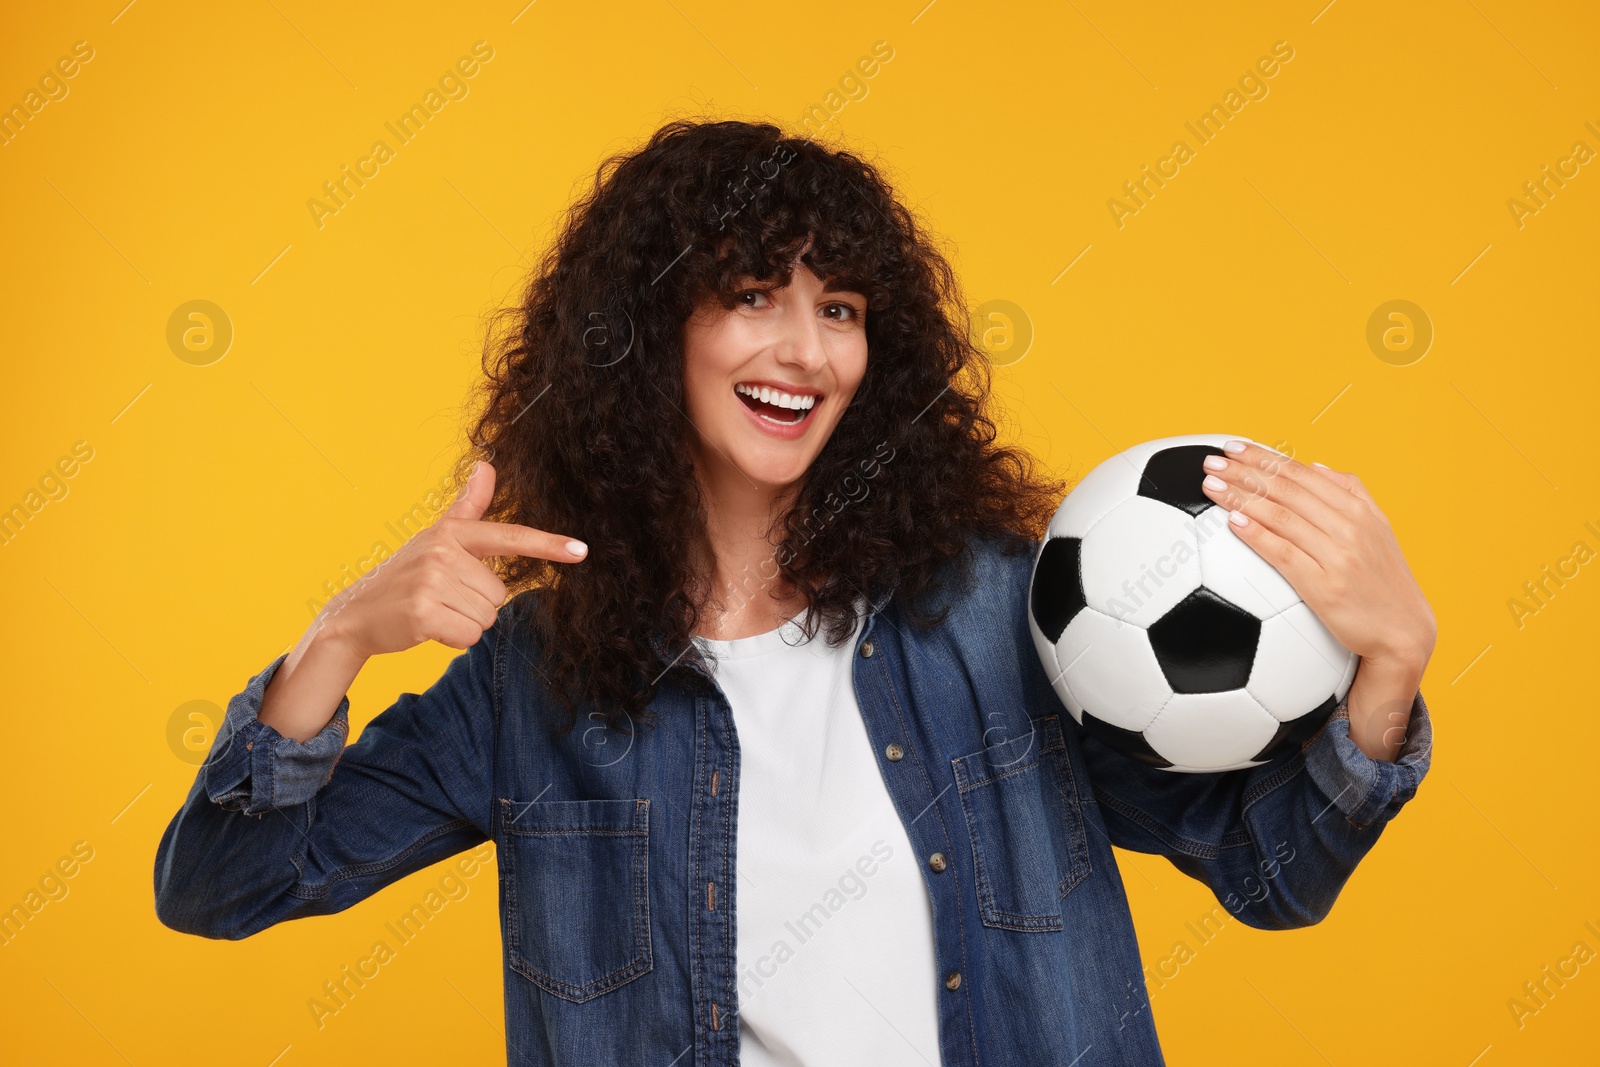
x,y
220,498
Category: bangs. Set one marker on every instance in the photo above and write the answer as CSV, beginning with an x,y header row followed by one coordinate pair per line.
x,y
757,225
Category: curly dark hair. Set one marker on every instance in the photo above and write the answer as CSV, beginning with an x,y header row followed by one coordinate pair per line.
x,y
583,400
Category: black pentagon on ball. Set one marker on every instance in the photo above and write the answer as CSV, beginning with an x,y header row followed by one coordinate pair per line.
x,y
1296,732
1057,593
1130,743
1173,476
1205,644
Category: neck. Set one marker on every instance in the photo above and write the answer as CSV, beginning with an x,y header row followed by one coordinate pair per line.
x,y
741,590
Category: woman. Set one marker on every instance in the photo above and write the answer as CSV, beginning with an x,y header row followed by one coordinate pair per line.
x,y
743,378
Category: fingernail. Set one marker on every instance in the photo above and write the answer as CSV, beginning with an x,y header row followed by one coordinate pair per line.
x,y
1324,466
1215,484
1215,463
1233,446
577,548
1238,518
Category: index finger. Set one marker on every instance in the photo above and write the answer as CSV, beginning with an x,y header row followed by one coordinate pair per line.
x,y
482,538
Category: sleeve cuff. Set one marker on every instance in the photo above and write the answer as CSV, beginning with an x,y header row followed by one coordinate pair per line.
x,y
252,768
1364,789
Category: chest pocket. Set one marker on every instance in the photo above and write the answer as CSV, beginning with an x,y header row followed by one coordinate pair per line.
x,y
1028,843
575,879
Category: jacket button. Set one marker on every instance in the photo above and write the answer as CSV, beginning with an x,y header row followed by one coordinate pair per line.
x,y
936,861
866,649
893,751
952,980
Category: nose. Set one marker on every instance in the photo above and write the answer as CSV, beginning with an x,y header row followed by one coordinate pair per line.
x,y
802,345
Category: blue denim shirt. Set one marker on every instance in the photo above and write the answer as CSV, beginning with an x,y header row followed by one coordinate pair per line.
x,y
616,853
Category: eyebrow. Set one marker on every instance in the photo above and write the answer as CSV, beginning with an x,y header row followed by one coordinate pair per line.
x,y
834,284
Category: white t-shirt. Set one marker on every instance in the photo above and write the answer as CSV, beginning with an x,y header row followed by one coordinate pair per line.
x,y
834,927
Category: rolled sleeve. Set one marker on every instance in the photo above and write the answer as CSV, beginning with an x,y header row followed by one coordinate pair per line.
x,y
252,768
1364,789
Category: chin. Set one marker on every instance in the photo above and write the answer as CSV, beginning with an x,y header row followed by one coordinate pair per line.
x,y
770,475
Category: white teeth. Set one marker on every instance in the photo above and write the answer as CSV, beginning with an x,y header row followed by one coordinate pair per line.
x,y
768,395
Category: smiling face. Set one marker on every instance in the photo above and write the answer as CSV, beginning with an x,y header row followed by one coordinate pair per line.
x,y
767,381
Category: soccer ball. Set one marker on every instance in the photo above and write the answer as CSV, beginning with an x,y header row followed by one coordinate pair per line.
x,y
1166,636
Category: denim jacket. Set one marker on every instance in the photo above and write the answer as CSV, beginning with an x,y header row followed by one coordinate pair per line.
x,y
616,853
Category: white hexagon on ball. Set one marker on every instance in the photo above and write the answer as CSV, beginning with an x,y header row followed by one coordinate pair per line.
x,y
1140,560
1112,671
1096,493
1211,731
1236,572
1298,664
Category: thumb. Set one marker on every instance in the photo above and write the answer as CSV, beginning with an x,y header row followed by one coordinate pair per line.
x,y
475,495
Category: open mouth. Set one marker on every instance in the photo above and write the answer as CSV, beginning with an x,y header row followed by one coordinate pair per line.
x,y
775,406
